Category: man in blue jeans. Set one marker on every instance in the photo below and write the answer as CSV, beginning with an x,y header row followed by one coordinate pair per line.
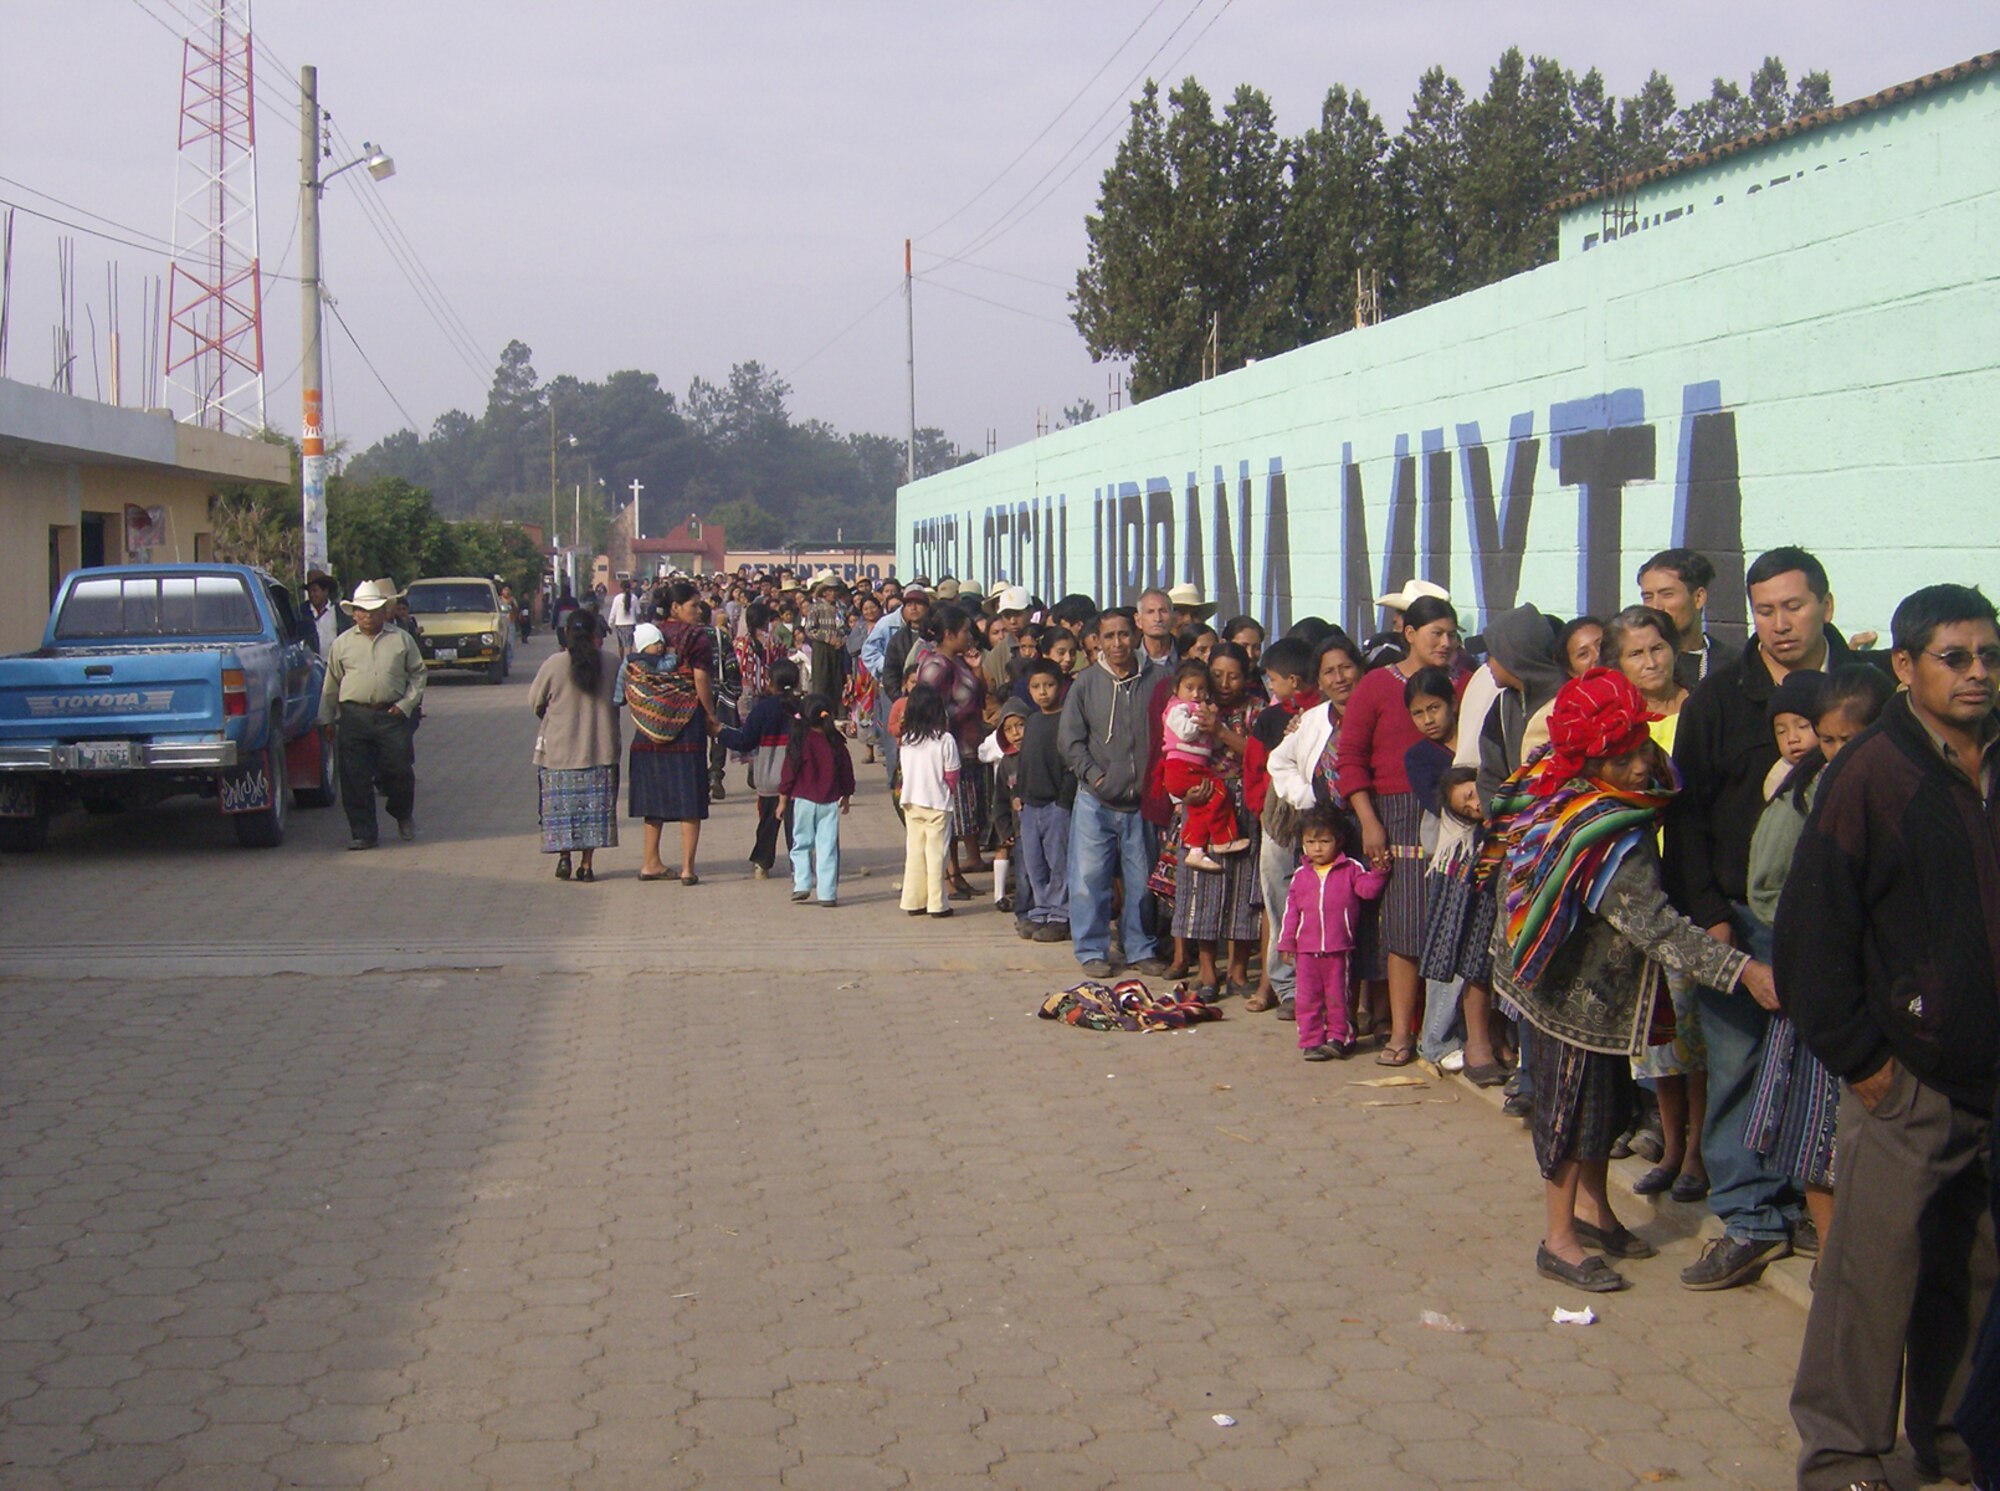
x,y
1103,736
1724,748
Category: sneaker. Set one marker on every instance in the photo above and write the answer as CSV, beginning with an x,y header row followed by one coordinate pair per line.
x,y
801,895
834,902
1098,968
1647,1142
1342,1049
1005,903
1323,1052
1729,1261
1025,931
1151,967
1287,1010
406,829
1052,932
360,843
1805,1238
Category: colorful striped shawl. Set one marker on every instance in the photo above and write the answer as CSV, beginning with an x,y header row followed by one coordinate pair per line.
x,y
1558,853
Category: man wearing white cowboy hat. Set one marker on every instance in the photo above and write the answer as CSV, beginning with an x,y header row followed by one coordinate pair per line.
x,y
374,683
1188,605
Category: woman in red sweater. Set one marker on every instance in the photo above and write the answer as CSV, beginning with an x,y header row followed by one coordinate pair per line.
x,y
1375,735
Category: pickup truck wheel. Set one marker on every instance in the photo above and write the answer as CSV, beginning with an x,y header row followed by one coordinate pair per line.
x,y
328,790
26,835
266,829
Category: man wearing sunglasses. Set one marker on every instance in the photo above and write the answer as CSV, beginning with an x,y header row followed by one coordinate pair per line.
x,y
1888,940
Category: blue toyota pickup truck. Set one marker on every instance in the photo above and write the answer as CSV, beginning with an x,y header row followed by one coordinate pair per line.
x,y
154,680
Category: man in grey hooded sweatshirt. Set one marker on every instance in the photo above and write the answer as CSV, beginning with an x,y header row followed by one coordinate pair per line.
x,y
1104,738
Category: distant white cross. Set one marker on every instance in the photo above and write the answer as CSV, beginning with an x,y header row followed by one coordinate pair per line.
x,y
637,488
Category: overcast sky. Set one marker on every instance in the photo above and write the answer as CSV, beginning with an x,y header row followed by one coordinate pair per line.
x,y
677,187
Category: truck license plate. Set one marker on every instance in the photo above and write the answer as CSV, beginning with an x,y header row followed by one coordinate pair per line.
x,y
447,654
104,755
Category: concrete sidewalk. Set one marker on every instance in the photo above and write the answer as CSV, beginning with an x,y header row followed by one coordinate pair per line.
x,y
420,1169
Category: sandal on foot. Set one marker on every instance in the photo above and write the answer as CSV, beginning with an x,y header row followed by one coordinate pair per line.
x,y
655,875
1394,1055
1619,1242
1592,1276
688,877
1260,1001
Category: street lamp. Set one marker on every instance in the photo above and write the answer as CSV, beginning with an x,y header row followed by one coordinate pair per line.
x,y
312,186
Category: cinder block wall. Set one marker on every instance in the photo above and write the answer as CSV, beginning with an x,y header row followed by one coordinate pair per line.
x,y
1818,364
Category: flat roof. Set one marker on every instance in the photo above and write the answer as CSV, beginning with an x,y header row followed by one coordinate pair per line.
x,y
47,424
1928,83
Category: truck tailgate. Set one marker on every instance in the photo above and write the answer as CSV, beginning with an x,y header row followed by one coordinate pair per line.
x,y
108,695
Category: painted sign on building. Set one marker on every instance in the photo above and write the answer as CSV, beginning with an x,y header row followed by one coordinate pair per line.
x,y
1815,365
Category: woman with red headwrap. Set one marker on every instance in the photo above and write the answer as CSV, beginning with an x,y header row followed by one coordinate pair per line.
x,y
1584,934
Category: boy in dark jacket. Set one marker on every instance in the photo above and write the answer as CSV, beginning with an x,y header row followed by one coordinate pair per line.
x,y
1046,791
1888,961
765,738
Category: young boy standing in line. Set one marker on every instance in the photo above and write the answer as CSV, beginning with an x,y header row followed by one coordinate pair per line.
x,y
1047,791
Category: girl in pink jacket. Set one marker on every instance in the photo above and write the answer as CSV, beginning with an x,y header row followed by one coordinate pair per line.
x,y
1321,909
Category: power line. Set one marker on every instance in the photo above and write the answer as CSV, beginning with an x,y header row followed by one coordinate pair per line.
x,y
945,260
980,239
801,365
1092,79
334,306
1001,304
997,232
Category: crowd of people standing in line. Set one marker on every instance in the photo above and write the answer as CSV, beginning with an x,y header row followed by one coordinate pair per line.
x,y
1733,907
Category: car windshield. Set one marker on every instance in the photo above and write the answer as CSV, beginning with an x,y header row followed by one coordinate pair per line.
x,y
158,606
440,600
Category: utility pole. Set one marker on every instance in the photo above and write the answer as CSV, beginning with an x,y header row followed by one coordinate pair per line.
x,y
552,469
312,438
910,347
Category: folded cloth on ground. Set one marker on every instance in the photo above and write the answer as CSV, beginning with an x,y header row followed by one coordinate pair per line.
x,y
1127,1005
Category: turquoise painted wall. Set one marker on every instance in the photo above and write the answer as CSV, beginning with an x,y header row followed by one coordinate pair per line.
x,y
1818,364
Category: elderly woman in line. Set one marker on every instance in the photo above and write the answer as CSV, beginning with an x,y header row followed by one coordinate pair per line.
x,y
576,749
1584,935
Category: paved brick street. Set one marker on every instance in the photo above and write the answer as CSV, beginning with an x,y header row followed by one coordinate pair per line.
x,y
419,1169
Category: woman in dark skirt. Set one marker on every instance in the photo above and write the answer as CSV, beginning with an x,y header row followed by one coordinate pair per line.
x,y
669,690
1376,734
1584,934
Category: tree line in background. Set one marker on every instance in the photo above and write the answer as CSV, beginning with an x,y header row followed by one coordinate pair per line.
x,y
1201,217
730,452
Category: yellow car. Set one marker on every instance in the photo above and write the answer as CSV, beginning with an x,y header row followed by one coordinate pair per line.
x,y
461,623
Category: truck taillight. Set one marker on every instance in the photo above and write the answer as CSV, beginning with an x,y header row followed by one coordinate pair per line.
x,y
235,697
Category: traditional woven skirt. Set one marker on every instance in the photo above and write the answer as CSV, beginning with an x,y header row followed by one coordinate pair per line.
x,y
1792,1111
579,808
1583,1101
1211,904
669,784
1402,920
969,811
1458,927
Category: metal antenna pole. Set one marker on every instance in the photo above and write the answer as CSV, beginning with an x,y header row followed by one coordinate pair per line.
x,y
312,437
910,348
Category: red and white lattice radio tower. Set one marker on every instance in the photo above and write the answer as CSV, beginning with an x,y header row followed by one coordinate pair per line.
x,y
215,301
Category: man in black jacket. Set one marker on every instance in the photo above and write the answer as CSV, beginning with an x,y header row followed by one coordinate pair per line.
x,y
1888,960
1724,748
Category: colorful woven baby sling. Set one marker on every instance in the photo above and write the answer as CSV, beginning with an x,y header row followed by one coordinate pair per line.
x,y
662,700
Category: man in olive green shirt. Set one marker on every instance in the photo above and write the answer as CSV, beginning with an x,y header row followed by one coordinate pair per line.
x,y
374,682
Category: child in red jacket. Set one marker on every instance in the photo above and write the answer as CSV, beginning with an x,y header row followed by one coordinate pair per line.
x,y
1321,909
